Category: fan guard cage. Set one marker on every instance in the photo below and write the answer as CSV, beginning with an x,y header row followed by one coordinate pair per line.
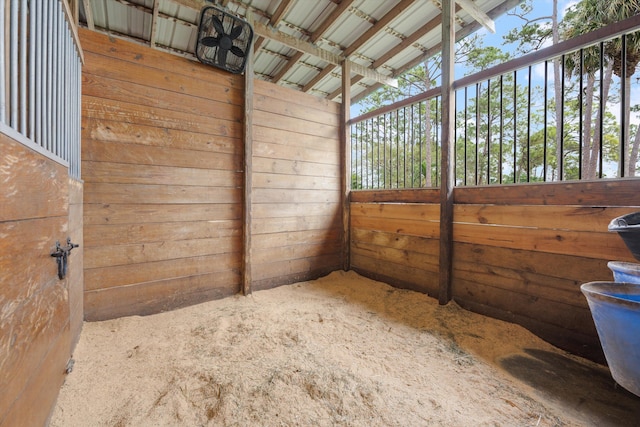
x,y
236,38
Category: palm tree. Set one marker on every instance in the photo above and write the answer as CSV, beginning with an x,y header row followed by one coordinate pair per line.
x,y
588,63
590,15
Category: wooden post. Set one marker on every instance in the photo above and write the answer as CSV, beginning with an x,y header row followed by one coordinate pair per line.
x,y
248,173
448,151
345,156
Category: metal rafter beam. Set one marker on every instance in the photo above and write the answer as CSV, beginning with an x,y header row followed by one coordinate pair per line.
x,y
324,73
460,34
410,40
154,23
289,65
379,26
306,47
88,12
476,13
282,10
331,19
336,93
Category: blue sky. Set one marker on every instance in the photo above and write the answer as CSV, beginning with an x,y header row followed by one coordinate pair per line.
x,y
504,24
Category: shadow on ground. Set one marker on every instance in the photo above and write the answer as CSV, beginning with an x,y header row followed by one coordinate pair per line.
x,y
588,390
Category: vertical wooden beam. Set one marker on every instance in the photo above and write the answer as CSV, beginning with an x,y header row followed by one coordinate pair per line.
x,y
448,151
88,12
154,23
345,156
248,174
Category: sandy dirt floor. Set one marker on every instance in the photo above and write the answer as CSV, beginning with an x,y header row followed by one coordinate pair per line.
x,y
339,351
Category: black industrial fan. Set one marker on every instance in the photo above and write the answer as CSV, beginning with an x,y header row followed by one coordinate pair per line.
x,y
224,40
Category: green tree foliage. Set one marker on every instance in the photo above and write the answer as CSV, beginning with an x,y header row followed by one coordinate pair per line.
x,y
517,127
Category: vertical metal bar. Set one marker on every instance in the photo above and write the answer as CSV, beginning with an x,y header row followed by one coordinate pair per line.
x,y
64,99
355,156
33,38
78,103
420,146
370,155
561,150
44,75
404,147
623,107
397,127
529,126
413,136
436,143
384,150
501,140
365,156
79,116
49,72
13,64
476,135
580,114
23,67
72,105
466,140
40,55
352,148
378,147
362,154
488,131
3,88
61,79
601,110
69,55
53,61
363,171
545,119
515,126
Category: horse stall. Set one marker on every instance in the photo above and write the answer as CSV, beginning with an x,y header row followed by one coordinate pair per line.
x,y
153,208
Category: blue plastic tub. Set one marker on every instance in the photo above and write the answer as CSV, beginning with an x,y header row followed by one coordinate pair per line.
x,y
615,308
628,228
628,272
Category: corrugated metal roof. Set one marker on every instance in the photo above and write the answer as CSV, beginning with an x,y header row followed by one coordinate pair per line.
x,y
381,51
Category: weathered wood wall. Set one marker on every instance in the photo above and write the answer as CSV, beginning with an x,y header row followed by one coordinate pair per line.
x,y
297,225
163,170
40,315
520,252
162,165
397,242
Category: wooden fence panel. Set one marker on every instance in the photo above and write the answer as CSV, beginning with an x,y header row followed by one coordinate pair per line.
x,y
162,164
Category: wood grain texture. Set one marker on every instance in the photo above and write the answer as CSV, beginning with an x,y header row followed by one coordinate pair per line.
x,y
160,295
35,339
162,161
296,191
520,252
32,185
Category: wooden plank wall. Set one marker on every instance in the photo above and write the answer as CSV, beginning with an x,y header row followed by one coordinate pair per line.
x,y
397,242
520,252
297,225
162,165
40,317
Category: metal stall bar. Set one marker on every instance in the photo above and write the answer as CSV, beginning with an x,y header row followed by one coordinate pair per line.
x,y
13,65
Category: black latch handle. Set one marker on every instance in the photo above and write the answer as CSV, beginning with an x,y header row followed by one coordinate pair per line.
x,y
62,254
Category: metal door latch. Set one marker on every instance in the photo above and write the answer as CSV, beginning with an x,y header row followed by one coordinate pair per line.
x,y
61,254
